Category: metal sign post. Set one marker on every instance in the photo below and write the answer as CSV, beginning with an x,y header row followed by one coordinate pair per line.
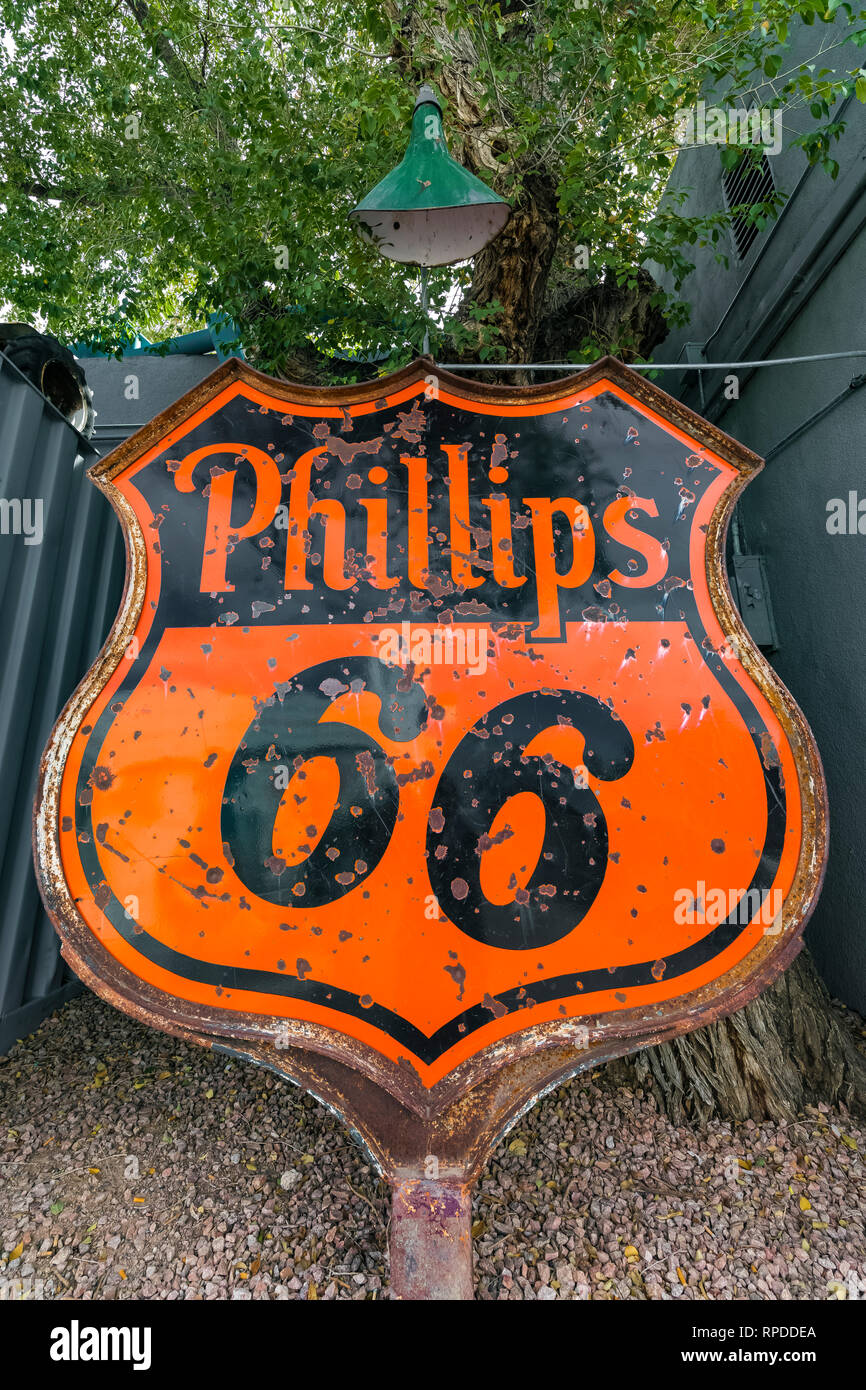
x,y
428,762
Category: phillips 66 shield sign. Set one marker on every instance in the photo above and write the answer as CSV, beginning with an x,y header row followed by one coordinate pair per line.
x,y
427,735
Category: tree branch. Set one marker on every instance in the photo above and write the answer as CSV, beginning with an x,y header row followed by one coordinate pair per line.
x,y
173,62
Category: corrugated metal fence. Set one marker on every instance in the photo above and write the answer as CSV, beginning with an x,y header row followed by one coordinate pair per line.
x,y
58,596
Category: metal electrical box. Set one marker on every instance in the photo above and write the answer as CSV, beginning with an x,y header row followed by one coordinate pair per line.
x,y
753,599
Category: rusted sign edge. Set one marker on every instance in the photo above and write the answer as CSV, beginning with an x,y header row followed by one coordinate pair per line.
x,y
527,1053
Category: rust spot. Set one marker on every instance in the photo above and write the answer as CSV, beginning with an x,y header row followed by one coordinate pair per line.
x,y
496,1007
488,841
438,586
458,975
333,687
367,768
418,774
769,752
411,426
471,608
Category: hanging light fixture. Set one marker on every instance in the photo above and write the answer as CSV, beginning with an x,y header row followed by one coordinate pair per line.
x,y
430,210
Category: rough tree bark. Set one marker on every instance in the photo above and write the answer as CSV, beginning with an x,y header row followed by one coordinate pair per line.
x,y
515,268
789,1047
606,312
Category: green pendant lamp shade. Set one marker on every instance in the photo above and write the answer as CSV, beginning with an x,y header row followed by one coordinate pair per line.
x,y
430,210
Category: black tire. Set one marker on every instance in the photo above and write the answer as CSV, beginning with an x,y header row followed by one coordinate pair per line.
x,y
53,370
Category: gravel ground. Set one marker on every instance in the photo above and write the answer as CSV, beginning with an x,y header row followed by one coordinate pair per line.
x,y
134,1166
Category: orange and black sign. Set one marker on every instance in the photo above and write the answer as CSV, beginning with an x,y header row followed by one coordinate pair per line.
x,y
427,724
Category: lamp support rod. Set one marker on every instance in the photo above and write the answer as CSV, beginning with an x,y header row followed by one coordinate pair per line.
x,y
424,305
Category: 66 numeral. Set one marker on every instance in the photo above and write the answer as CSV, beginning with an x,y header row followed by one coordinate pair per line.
x,y
489,766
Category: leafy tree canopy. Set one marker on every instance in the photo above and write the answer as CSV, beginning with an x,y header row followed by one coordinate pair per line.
x,y
164,159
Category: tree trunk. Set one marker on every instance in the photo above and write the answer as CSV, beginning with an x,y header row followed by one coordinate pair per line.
x,y
514,268
789,1048
620,319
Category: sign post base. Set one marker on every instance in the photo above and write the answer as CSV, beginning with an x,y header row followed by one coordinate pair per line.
x,y
431,1239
